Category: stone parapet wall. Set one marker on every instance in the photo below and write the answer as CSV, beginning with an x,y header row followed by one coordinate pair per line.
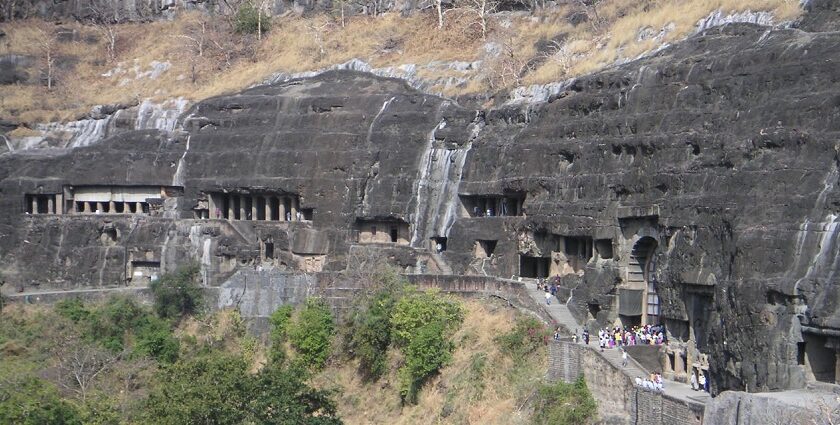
x,y
619,400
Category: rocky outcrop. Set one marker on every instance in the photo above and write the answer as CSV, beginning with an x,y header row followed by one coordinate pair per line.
x,y
794,407
696,187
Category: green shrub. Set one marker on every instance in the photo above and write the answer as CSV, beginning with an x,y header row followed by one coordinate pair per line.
x,y
122,323
371,334
417,309
279,322
280,396
177,294
310,334
28,400
248,20
73,309
561,403
526,336
208,389
428,351
216,388
422,323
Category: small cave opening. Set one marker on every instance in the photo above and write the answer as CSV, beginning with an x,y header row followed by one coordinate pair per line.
x,y
534,267
439,243
604,247
484,248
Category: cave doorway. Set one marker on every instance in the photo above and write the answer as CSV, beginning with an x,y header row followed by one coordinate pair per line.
x,y
439,244
534,267
820,359
641,274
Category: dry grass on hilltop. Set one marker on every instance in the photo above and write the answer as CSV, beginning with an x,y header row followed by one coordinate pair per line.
x,y
534,49
481,386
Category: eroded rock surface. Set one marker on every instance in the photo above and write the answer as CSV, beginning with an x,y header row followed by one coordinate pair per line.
x,y
695,188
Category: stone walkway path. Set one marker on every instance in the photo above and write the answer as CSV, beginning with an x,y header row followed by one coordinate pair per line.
x,y
561,314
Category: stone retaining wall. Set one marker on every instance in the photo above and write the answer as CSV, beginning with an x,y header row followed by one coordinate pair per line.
x,y
619,400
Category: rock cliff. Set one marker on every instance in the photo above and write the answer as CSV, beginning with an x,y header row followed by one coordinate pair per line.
x,y
696,188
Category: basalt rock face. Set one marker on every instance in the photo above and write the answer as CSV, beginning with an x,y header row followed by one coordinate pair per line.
x,y
705,175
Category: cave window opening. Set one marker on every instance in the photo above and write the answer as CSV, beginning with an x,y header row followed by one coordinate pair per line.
x,y
269,250
439,244
287,206
373,230
508,205
604,248
249,208
44,205
275,209
820,361
260,209
534,267
485,248
119,207
145,207
594,309
672,360
237,208
395,233
307,213
800,353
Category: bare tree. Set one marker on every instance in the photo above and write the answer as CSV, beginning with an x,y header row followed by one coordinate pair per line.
x,y
104,17
194,38
560,53
591,8
47,43
80,363
480,11
509,67
260,7
317,30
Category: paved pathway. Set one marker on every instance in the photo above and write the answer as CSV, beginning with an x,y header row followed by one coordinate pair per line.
x,y
561,314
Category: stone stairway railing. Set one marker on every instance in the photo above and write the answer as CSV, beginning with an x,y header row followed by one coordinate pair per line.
x,y
566,360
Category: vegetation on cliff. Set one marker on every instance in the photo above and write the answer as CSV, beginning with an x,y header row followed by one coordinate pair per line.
x,y
198,55
401,356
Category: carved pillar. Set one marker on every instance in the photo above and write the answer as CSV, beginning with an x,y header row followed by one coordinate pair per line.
x,y
254,207
34,204
268,210
294,208
50,204
231,214
138,208
282,203
243,214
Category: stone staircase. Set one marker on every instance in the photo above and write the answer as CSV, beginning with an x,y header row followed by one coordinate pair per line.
x,y
557,310
441,263
560,313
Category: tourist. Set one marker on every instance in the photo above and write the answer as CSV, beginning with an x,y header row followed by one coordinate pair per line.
x,y
586,337
547,298
703,381
624,358
693,381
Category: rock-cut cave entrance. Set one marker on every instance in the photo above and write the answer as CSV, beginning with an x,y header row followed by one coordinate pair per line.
x,y
641,280
534,267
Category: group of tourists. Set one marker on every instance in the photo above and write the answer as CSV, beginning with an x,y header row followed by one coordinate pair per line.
x,y
628,336
654,382
701,383
550,291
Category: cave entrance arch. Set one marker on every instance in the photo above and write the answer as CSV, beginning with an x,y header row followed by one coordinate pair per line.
x,y
641,275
